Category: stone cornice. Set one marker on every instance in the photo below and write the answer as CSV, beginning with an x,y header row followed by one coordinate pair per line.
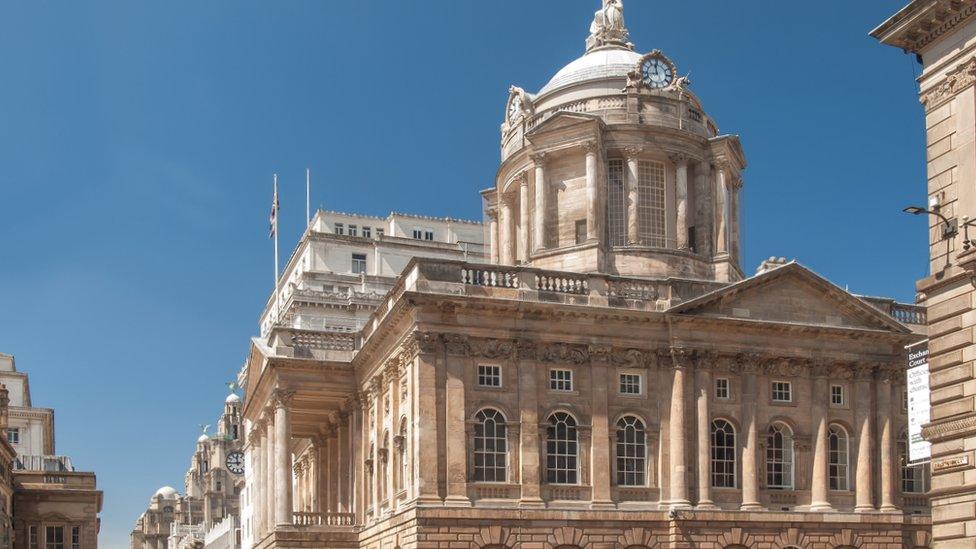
x,y
923,22
947,430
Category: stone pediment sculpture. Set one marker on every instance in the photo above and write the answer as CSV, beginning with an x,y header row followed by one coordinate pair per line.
x,y
791,294
608,26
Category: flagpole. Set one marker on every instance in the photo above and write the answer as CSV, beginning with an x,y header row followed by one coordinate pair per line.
x,y
308,196
277,303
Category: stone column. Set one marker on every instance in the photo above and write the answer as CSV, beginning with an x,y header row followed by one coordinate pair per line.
x,y
593,209
392,378
600,452
270,492
505,232
330,455
863,487
283,502
320,477
425,423
523,243
703,390
455,414
256,453
676,431
698,209
750,447
633,194
722,210
376,394
529,443
889,471
541,196
681,199
345,459
818,410
493,234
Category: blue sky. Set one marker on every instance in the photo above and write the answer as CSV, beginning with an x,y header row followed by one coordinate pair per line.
x,y
138,140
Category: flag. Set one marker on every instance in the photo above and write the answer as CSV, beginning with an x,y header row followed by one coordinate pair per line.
x,y
274,211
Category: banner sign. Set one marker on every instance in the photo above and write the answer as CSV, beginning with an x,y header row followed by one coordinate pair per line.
x,y
919,450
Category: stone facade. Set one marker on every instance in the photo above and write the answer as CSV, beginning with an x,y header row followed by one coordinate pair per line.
x,y
213,485
943,36
49,499
611,378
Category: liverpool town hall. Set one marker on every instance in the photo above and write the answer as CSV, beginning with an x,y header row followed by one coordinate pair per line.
x,y
604,375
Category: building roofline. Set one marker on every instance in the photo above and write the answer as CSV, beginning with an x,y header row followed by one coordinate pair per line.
x,y
923,22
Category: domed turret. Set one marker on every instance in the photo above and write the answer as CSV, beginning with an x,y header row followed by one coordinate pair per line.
x,y
166,492
232,399
614,167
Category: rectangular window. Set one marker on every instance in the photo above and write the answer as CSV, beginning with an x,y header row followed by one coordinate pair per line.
x,y
692,239
722,390
782,391
561,380
32,537
76,537
358,263
380,231
617,202
367,232
54,537
340,228
13,435
418,234
630,384
489,375
353,230
651,203
836,395
581,231
428,235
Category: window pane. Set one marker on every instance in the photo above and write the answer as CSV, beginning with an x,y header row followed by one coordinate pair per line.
x,y
617,203
490,447
650,203
561,449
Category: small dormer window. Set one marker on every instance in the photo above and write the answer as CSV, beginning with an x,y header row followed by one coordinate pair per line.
x,y
340,228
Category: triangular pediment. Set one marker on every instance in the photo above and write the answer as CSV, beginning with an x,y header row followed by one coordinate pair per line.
x,y
791,294
561,121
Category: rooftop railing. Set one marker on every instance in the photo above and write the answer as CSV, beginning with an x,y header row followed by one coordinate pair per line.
x,y
57,464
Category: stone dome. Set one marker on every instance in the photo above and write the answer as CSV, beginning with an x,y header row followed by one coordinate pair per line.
x,y
610,63
232,399
203,438
167,492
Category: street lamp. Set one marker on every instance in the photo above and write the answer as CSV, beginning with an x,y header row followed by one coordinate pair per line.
x,y
950,227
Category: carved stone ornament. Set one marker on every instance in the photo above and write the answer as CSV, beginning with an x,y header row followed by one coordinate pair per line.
x,y
457,344
519,105
423,342
629,358
600,353
682,357
563,352
526,349
864,372
493,348
282,398
608,27
956,81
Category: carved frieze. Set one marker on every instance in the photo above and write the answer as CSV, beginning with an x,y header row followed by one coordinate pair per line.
x,y
564,352
955,81
492,348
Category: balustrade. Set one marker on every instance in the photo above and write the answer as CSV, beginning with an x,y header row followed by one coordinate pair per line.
x,y
490,277
562,283
323,519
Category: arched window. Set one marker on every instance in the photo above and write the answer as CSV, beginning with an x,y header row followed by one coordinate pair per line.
x,y
779,457
490,447
837,458
562,450
723,454
913,477
631,452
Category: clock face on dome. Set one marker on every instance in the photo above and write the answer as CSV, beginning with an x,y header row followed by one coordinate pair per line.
x,y
657,72
235,463
514,108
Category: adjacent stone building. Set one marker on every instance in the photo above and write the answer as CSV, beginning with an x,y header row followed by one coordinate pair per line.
x,y
942,36
213,485
611,377
49,503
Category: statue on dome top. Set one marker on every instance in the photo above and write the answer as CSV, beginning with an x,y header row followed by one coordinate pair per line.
x,y
608,25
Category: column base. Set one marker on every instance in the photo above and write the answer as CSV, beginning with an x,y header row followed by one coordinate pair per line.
x,y
531,503
428,500
706,505
602,505
457,501
751,506
890,509
820,507
864,509
679,504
